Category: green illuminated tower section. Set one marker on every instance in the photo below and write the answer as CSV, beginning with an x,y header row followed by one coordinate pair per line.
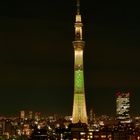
x,y
79,104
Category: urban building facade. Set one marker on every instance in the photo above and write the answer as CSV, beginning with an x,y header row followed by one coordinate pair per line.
x,y
122,106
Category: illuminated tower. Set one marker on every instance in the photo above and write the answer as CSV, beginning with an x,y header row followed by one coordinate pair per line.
x,y
79,103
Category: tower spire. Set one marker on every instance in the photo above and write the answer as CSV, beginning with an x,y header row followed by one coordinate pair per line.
x,y
78,7
78,23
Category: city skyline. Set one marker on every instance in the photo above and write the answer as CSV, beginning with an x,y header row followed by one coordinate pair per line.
x,y
36,55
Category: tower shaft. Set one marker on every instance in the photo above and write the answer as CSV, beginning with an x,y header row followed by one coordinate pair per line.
x,y
79,103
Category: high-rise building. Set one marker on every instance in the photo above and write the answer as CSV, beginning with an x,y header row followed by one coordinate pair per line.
x,y
22,114
2,127
79,104
30,114
122,105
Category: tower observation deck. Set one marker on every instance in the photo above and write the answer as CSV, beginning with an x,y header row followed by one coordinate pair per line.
x,y
79,113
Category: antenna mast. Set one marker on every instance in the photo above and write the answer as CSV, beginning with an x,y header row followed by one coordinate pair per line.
x,y
78,7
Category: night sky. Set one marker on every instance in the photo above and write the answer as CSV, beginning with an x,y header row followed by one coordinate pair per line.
x,y
36,55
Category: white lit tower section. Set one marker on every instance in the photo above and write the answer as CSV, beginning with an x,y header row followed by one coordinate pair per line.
x,y
79,104
122,106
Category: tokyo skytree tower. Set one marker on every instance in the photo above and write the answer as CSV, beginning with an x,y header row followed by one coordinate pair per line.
x,y
79,113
